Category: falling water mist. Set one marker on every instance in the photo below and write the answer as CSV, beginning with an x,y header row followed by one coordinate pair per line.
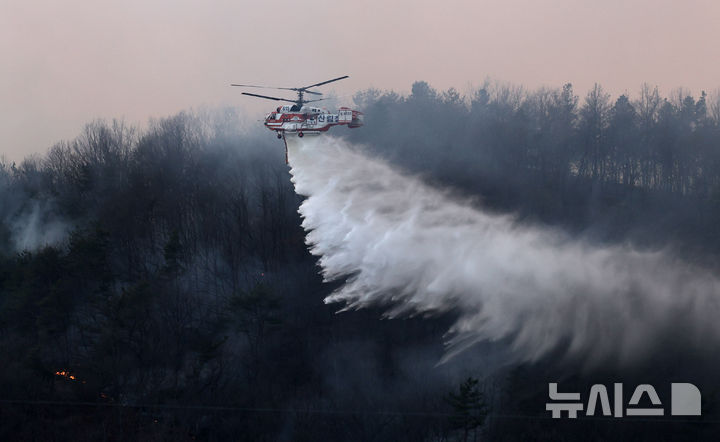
x,y
414,249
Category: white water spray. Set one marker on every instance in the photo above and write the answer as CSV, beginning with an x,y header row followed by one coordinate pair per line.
x,y
415,249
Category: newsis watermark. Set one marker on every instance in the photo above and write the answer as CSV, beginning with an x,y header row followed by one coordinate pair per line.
x,y
684,401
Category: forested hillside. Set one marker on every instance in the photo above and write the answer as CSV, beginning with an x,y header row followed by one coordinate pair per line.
x,y
155,283
641,166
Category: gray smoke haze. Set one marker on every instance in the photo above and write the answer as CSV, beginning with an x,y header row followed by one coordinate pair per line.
x,y
36,226
417,250
27,223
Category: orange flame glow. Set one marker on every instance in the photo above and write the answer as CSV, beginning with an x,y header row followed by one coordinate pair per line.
x,y
66,374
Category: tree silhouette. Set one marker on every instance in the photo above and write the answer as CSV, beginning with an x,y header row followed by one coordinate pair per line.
x,y
469,408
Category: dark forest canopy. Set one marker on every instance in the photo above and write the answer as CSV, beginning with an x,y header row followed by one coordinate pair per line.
x,y
644,168
162,273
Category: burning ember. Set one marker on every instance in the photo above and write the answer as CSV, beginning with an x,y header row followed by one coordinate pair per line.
x,y
66,375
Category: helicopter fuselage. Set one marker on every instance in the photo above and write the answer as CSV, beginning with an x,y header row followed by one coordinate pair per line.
x,y
310,119
299,118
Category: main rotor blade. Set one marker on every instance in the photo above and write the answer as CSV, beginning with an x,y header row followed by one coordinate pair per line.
x,y
252,85
296,89
324,82
266,87
263,87
269,98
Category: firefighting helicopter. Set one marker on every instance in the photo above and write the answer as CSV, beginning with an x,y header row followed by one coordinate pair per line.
x,y
301,119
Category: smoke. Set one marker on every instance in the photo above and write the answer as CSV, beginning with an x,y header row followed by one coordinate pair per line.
x,y
37,227
26,222
418,250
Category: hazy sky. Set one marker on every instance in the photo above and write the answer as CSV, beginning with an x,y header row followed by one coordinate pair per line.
x,y
66,63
